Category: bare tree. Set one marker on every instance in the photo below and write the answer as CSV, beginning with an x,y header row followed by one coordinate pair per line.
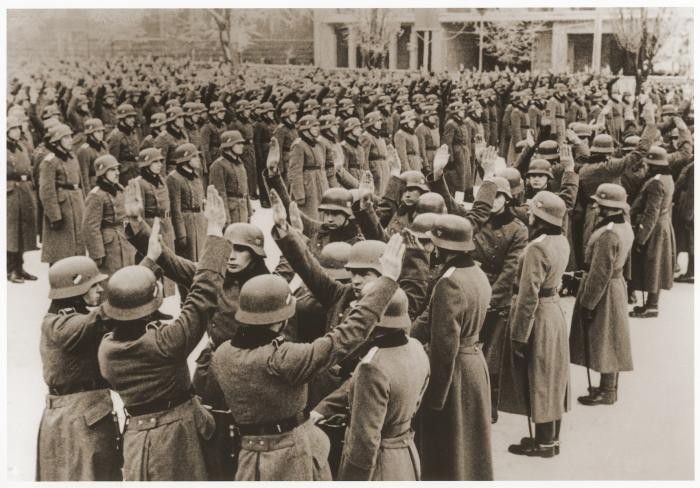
x,y
642,36
511,42
374,29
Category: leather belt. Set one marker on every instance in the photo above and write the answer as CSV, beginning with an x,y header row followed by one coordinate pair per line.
x,y
157,213
192,209
311,167
114,225
77,387
157,405
544,292
68,186
18,177
272,428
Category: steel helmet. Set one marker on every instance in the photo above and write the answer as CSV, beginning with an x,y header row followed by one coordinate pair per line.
x,y
407,115
148,156
241,105
133,292
336,200
93,125
514,179
611,195
327,121
351,124
173,102
334,256
216,107
173,113
57,132
581,129
201,108
430,202
73,276
329,103
630,143
190,108
345,104
540,167
19,112
502,186
456,108
429,109
265,300
288,108
548,150
396,313
603,144
266,107
247,235
310,105
50,111
105,163
669,109
365,255
384,100
231,137
452,232
548,207
422,223
158,119
657,156
184,153
307,122
48,125
414,179
125,110
373,117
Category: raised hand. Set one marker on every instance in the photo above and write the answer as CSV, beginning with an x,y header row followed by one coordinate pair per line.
x,y
273,157
366,189
133,203
392,258
572,137
214,212
566,158
529,138
488,161
279,214
440,160
411,241
394,161
155,242
649,113
295,217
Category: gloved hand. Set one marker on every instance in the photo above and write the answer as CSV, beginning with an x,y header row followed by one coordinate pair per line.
x,y
56,225
519,348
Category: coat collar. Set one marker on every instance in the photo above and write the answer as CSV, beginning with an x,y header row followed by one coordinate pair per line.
x,y
346,233
256,268
186,171
503,218
616,219
388,338
151,177
253,337
109,187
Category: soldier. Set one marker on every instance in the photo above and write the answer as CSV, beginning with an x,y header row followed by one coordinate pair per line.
x,y
518,125
683,222
534,377
454,446
556,111
211,134
186,195
104,108
328,138
654,251
353,147
379,440
229,177
386,131
307,178
146,361
21,204
264,128
286,134
104,219
406,143
600,335
428,136
173,137
475,133
61,197
156,127
328,106
346,110
76,115
458,171
259,362
123,142
93,147
79,433
244,125
191,127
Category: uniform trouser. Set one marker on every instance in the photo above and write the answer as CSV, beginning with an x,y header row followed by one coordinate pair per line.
x,y
547,433
14,262
653,300
608,381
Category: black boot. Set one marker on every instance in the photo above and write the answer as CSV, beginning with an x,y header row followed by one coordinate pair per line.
x,y
605,395
22,272
13,275
494,403
543,445
650,308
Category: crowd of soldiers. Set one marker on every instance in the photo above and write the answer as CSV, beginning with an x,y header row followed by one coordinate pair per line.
x,y
434,221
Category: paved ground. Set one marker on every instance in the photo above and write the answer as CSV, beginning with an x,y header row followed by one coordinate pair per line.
x,y
648,434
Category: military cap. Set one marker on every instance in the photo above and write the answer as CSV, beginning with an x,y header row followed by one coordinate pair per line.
x,y
329,103
158,119
540,167
456,107
430,202
502,186
265,300
246,235
669,109
307,122
414,179
630,143
422,223
266,107
174,112
336,200
104,163
611,195
407,115
190,108
345,104
185,153
351,124
148,156
429,109
50,111
288,108
333,258
373,117
365,255
231,137
310,105
58,131
548,150
73,277
603,144
452,232
514,178
125,110
216,107
327,121
93,125
396,313
384,100
581,129
548,207
133,292
657,156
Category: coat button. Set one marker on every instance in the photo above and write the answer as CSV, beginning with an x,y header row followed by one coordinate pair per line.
x,y
140,422
153,419
260,442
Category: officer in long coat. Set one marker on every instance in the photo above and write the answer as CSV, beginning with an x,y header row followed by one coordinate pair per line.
x,y
146,361
172,138
124,142
381,398
428,135
286,134
21,204
406,143
535,372
455,421
244,125
600,335
211,134
264,378
458,173
104,219
262,135
156,128
328,138
186,195
93,147
229,176
79,433
62,198
654,251
518,125
354,153
306,172
684,219
556,111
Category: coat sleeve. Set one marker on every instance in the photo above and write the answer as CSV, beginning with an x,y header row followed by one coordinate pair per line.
x,y
483,203
617,166
83,158
91,228
501,288
415,280
206,145
448,138
48,194
369,224
346,180
440,186
178,339
369,408
679,159
296,174
74,330
114,145
516,131
650,213
532,276
297,363
422,152
569,188
217,177
174,191
390,200
400,145
605,249
445,329
336,403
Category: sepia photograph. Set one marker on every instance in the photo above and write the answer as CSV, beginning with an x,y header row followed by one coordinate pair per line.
x,y
349,244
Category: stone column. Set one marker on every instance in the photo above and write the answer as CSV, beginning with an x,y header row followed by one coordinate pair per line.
x,y
559,47
413,57
393,51
352,48
597,43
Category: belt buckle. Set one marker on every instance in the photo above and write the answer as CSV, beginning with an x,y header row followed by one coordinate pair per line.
x,y
23,178
76,186
279,428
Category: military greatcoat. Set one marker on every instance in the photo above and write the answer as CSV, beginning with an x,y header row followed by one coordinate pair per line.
x,y
230,178
307,175
21,201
